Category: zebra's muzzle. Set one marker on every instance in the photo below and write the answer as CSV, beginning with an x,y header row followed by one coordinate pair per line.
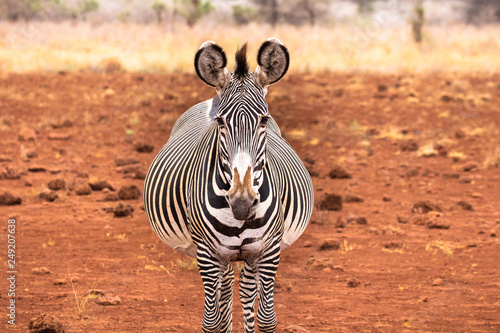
x,y
242,198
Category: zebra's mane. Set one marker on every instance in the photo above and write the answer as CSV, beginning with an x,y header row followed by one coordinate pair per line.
x,y
241,67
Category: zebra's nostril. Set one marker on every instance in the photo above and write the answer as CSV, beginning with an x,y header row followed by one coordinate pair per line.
x,y
255,202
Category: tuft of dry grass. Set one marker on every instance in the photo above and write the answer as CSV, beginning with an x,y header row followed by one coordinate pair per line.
x,y
70,46
188,264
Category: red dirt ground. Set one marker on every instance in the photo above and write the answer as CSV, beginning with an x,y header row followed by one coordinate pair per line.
x,y
357,121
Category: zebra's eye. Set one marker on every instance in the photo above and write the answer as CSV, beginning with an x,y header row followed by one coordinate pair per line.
x,y
220,121
263,121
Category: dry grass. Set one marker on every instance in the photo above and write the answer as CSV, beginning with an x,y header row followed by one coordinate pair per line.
x,y
46,46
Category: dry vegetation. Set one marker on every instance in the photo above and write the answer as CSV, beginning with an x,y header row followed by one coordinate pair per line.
x,y
46,46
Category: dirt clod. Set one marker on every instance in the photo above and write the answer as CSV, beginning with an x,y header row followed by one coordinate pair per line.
x,y
330,202
59,136
143,147
471,166
125,161
48,195
353,282
45,323
83,189
40,271
437,282
96,292
130,192
109,300
97,184
59,282
462,205
341,222
409,145
10,173
296,329
57,184
426,206
329,244
315,264
8,199
352,198
338,172
122,210
26,134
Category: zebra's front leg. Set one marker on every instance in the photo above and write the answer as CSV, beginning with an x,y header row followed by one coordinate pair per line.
x,y
266,273
226,300
211,271
248,293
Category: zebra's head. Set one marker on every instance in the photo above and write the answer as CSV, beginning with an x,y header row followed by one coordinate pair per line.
x,y
241,115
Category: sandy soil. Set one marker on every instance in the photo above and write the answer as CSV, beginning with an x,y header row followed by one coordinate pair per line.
x,y
404,270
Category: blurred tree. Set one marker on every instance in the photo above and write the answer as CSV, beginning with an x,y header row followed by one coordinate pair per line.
x,y
418,21
159,8
306,11
483,11
269,10
243,14
88,6
365,6
193,10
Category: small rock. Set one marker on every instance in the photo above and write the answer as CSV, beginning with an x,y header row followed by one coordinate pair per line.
x,y
386,198
96,292
402,219
476,195
111,197
442,151
329,244
45,323
121,210
353,282
130,192
411,173
339,173
57,184
471,166
331,202
465,180
48,195
109,300
307,244
409,145
296,329
61,123
26,134
7,199
59,136
361,220
5,158
10,173
314,264
340,223
427,151
437,282
59,282
446,98
460,134
126,161
97,184
40,271
352,198
436,220
37,168
463,205
142,147
83,189
451,175
394,245
425,206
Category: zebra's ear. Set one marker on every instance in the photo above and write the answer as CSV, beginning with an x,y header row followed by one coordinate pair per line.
x,y
210,64
273,60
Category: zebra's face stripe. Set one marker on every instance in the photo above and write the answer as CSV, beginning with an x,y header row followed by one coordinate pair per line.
x,y
242,117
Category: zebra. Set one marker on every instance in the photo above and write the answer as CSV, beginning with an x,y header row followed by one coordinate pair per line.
x,y
227,187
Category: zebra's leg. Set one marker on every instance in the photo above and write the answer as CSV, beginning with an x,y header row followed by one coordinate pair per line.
x,y
211,271
266,270
248,293
226,300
